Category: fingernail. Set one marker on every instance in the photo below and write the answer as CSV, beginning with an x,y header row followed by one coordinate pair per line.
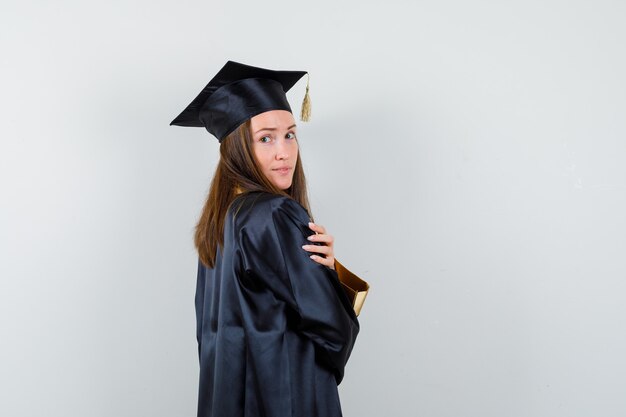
x,y
312,256
309,237
304,246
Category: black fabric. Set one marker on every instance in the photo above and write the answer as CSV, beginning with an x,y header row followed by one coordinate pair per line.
x,y
235,103
274,328
235,94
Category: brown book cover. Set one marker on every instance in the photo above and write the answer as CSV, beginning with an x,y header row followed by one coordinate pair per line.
x,y
355,288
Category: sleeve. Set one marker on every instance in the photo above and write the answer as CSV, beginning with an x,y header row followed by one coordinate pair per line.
x,y
273,253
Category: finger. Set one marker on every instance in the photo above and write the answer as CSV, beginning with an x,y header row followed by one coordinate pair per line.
x,y
324,250
317,228
321,238
330,262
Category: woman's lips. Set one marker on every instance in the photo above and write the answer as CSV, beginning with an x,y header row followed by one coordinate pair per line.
x,y
282,171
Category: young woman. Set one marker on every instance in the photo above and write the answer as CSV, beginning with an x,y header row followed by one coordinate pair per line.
x,y
274,326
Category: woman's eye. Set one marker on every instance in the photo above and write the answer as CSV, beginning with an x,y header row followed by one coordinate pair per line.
x,y
291,135
265,139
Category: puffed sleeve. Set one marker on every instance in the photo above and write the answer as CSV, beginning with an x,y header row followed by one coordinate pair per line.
x,y
272,253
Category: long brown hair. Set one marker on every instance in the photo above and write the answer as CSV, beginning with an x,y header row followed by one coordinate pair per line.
x,y
237,171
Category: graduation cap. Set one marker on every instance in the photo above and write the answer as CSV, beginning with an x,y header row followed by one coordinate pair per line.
x,y
237,93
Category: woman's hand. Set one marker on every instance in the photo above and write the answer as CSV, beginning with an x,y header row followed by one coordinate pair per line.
x,y
323,254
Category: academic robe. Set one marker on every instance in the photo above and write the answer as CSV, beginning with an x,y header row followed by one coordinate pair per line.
x,y
274,327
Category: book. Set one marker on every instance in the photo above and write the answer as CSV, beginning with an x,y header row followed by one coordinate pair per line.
x,y
355,288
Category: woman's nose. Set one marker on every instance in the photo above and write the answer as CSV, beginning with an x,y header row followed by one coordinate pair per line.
x,y
281,150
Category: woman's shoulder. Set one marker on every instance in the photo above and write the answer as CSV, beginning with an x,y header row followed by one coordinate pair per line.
x,y
260,206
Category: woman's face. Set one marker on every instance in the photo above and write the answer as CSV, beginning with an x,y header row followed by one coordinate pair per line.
x,y
275,146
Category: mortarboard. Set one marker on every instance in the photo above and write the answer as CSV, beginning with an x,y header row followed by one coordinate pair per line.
x,y
237,93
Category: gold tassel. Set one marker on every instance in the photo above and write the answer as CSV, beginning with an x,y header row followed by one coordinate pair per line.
x,y
305,111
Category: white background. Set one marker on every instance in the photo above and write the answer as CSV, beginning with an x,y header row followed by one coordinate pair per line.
x,y
468,157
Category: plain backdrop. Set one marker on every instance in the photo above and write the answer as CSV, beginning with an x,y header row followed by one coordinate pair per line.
x,y
468,157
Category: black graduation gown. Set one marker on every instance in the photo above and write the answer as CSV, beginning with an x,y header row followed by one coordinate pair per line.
x,y
274,327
